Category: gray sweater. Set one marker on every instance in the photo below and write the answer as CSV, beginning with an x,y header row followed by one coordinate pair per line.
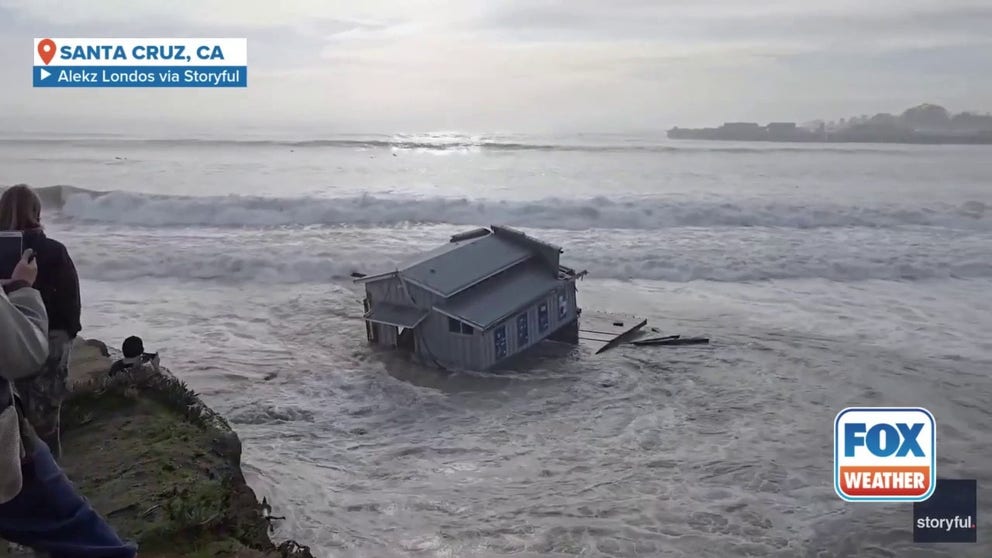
x,y
23,351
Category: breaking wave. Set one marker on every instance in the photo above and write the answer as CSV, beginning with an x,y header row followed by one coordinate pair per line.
x,y
570,214
224,267
605,260
462,143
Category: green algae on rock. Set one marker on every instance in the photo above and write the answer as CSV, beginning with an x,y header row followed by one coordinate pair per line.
x,y
162,467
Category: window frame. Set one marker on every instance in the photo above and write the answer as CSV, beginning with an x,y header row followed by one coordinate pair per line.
x,y
459,327
544,325
524,339
499,331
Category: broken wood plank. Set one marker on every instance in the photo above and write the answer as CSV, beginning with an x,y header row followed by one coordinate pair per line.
x,y
622,337
649,340
669,342
599,329
602,332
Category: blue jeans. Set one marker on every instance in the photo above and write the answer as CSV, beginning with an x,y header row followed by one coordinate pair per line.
x,y
50,516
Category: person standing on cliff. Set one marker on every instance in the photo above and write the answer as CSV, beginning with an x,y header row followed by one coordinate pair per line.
x,y
39,507
58,283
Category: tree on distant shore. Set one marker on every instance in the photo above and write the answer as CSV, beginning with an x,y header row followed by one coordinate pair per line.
x,y
926,116
971,122
884,119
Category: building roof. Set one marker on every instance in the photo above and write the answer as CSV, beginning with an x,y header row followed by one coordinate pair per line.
x,y
460,264
396,315
485,305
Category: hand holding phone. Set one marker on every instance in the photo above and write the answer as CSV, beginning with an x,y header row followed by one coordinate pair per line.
x,y
11,251
26,269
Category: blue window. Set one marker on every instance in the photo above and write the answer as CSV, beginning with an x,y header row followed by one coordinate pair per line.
x,y
542,317
499,338
523,336
562,305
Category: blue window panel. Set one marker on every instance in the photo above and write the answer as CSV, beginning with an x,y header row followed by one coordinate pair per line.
x,y
499,339
543,321
562,305
523,335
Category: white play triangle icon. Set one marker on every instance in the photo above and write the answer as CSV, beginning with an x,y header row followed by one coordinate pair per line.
x,y
43,73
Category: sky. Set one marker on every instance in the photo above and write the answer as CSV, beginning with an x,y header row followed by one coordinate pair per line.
x,y
546,66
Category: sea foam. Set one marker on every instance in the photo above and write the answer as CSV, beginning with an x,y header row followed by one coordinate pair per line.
x,y
603,212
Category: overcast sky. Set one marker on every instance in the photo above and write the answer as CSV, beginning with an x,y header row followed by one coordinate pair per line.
x,y
519,65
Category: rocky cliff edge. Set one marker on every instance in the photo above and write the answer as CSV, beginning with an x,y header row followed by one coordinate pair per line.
x,y
161,466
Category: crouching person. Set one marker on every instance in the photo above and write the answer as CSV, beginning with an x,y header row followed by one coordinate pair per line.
x,y
135,357
39,507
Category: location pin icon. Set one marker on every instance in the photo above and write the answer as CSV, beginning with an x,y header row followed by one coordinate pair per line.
x,y
46,50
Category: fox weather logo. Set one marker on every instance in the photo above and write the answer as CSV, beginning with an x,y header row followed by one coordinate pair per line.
x,y
885,454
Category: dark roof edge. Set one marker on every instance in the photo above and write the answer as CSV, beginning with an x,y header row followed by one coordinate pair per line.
x,y
522,236
376,277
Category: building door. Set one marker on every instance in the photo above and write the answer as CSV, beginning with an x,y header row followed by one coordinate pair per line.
x,y
407,340
388,335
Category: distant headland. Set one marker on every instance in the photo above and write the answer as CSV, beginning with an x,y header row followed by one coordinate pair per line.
x,y
923,124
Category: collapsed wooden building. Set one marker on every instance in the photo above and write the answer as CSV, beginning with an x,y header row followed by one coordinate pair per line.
x,y
487,295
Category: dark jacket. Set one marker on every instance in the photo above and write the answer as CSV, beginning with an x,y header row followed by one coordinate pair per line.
x,y
57,281
128,363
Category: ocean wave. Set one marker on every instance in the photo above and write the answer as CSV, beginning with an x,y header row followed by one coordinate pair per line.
x,y
222,267
475,144
679,265
602,212
331,255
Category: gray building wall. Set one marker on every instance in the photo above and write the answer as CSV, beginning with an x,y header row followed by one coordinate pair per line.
x,y
475,351
385,290
571,305
424,298
390,289
487,349
454,350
